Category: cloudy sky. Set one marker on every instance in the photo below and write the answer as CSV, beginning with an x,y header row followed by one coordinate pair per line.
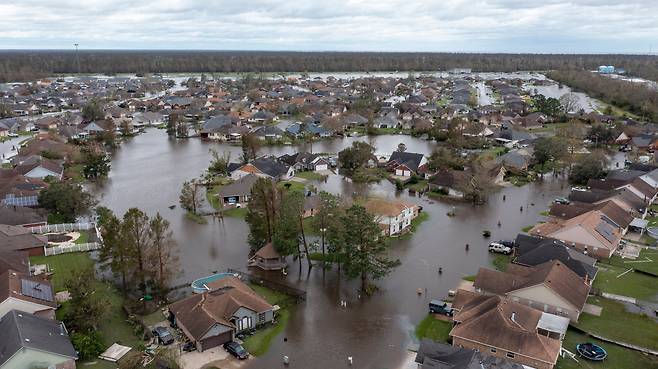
x,y
587,26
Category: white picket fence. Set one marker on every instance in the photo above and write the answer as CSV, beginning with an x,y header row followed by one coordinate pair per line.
x,y
56,250
64,227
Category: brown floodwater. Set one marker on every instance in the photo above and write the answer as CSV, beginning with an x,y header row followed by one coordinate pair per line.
x,y
147,172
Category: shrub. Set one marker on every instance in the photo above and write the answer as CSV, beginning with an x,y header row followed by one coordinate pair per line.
x,y
89,345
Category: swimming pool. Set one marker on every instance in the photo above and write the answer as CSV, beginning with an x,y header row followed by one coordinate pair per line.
x,y
199,285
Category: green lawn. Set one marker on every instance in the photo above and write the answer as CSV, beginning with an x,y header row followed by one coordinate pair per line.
x,y
196,218
74,172
55,219
526,229
310,175
259,343
618,324
62,266
236,212
648,261
434,329
153,318
631,284
84,238
421,185
500,262
618,357
292,185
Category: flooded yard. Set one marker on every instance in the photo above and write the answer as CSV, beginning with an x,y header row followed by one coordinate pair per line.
x,y
147,172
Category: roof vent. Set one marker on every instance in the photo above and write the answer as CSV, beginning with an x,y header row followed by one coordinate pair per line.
x,y
27,340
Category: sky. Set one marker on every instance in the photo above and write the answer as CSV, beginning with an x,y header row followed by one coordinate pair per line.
x,y
547,26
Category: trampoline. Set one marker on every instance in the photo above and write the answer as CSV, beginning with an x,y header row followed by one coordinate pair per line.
x,y
591,351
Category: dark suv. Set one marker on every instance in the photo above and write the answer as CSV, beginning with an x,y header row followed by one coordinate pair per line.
x,y
163,335
236,350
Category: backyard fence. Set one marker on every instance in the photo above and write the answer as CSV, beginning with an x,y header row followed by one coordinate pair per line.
x,y
64,227
273,285
57,250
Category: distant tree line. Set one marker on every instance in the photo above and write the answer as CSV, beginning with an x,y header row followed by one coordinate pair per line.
x,y
28,65
637,98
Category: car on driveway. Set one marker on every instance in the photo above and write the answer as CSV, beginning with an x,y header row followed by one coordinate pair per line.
x,y
163,335
440,307
499,248
562,200
236,350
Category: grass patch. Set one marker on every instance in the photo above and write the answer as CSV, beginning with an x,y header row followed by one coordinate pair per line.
x,y
631,284
196,218
501,261
292,185
527,229
327,257
62,266
433,329
236,212
618,357
309,227
618,324
56,219
153,318
259,343
84,237
545,213
367,175
74,172
310,175
470,278
419,186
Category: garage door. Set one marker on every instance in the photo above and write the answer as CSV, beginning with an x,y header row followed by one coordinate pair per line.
x,y
215,341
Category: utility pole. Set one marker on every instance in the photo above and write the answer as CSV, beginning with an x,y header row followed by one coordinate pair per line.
x,y
77,56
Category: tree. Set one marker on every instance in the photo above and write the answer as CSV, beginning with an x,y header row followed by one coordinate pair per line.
x,y
181,129
136,235
570,102
93,110
588,167
88,344
5,111
364,247
263,211
96,164
288,228
165,260
189,196
250,147
547,149
115,252
443,158
86,308
66,200
476,184
172,124
327,219
125,129
355,156
219,164
549,106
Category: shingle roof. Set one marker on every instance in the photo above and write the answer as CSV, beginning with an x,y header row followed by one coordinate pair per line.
x,y
241,187
533,251
19,329
410,159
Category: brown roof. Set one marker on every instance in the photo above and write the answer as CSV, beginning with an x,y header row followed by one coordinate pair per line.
x,y
268,252
498,322
616,213
11,285
554,275
18,215
200,312
383,207
13,238
14,260
644,187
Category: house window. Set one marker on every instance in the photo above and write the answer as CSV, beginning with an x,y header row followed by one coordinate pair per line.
x,y
261,318
510,355
493,350
244,323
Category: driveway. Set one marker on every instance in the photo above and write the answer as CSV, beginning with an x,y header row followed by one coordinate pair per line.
x,y
214,357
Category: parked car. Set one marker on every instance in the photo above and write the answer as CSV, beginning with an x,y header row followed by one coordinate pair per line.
x,y
440,307
163,335
236,350
499,248
189,346
508,243
562,200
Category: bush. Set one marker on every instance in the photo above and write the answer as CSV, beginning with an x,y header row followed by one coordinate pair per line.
x,y
89,345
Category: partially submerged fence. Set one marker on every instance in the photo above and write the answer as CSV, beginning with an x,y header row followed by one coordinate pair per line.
x,y
64,227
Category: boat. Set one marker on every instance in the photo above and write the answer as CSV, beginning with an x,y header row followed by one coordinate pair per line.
x,y
591,351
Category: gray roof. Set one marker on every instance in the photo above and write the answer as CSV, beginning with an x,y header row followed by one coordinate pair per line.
x,y
271,167
19,329
241,187
435,355
410,159
533,251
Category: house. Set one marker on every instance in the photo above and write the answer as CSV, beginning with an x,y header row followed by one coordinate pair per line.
x,y
515,160
98,127
551,287
354,120
212,318
592,233
404,164
264,167
303,161
436,355
29,341
21,292
16,189
237,193
532,251
506,329
36,167
14,238
212,128
21,216
448,181
267,258
269,133
394,216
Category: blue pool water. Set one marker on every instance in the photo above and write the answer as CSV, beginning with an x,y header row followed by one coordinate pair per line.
x,y
198,285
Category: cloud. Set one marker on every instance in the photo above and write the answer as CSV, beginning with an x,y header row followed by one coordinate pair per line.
x,y
372,25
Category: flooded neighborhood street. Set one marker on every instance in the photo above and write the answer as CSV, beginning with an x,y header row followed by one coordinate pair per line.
x,y
148,170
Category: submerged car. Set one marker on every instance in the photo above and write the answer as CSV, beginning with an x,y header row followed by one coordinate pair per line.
x,y
236,350
163,335
562,200
440,307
